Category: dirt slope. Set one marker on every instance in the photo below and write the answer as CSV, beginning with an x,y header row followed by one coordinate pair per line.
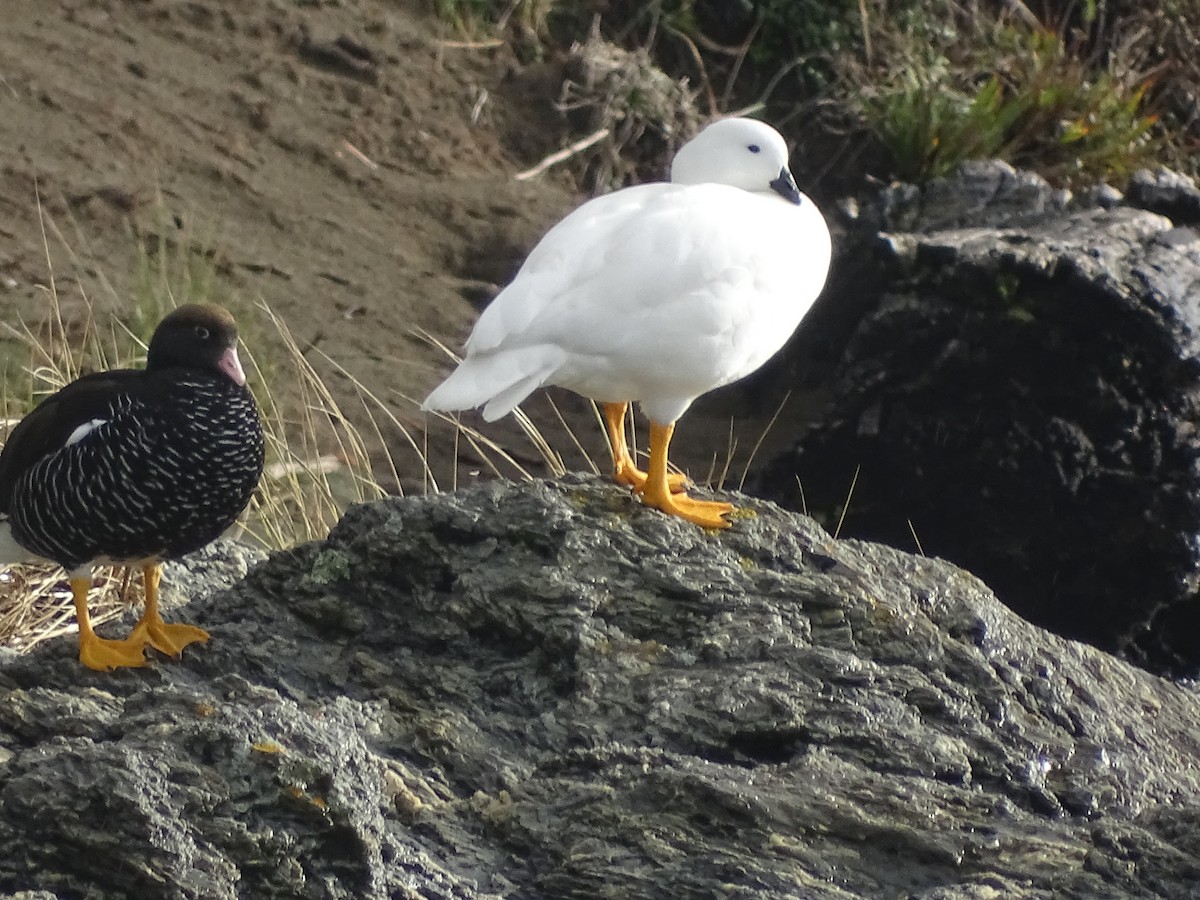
x,y
347,163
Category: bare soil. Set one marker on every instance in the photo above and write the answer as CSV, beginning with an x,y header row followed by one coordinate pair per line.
x,y
349,163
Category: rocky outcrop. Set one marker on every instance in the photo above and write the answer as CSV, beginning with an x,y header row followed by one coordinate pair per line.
x,y
1168,193
1022,397
544,690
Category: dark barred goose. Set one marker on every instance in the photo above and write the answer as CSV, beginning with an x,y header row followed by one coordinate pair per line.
x,y
135,467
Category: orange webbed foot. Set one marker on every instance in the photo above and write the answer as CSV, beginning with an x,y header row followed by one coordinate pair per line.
x,y
705,513
103,655
168,639
96,652
152,630
658,493
625,471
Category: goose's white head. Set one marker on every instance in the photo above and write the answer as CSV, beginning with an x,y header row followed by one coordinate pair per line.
x,y
744,153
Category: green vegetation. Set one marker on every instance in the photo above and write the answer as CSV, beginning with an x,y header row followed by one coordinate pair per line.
x,y
813,33
175,264
1078,90
1004,91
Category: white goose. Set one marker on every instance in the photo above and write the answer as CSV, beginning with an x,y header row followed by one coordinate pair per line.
x,y
657,293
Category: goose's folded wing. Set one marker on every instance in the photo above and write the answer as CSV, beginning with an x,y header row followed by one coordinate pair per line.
x,y
53,423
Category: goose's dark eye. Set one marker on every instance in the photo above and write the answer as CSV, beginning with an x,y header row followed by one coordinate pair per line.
x,y
201,332
754,148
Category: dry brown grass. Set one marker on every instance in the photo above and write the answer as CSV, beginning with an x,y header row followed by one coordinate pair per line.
x,y
497,459
36,604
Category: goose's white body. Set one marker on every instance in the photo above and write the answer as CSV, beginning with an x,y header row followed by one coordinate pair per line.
x,y
657,293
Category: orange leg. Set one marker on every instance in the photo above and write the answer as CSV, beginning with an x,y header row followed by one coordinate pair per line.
x,y
657,490
152,630
625,471
96,652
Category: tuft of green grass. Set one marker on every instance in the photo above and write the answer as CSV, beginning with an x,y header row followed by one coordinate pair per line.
x,y
175,263
947,91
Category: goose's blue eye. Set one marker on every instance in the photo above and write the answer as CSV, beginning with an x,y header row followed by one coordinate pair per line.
x,y
754,148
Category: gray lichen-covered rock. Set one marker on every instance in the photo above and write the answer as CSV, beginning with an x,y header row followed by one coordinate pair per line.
x,y
543,690
1022,397
213,568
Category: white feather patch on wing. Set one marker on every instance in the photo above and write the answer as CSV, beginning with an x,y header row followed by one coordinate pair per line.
x,y
83,431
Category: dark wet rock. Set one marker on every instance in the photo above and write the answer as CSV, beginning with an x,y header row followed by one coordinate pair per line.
x,y
1171,194
543,690
980,194
1021,396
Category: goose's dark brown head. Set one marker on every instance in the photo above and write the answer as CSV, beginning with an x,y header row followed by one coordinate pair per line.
x,y
197,336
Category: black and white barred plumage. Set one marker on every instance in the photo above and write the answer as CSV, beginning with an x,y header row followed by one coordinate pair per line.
x,y
166,470
133,466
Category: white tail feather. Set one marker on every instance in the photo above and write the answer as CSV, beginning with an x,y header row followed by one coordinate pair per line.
x,y
506,401
500,381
